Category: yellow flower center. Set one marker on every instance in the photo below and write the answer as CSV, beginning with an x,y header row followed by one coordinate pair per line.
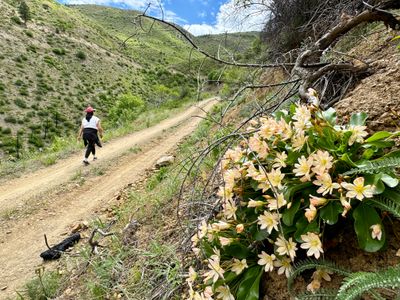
x,y
359,189
314,243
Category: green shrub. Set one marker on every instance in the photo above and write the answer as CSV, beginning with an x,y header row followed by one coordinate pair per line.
x,y
6,130
42,113
126,108
32,48
59,51
19,82
10,119
24,11
20,103
16,20
2,86
81,55
36,140
21,58
24,91
49,60
29,33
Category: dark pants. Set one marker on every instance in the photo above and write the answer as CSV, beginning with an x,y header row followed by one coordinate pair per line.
x,y
90,139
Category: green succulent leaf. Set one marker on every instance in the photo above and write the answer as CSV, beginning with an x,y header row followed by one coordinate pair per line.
x,y
330,116
389,180
364,217
379,144
261,235
346,158
358,118
303,227
288,215
376,180
249,288
237,250
327,141
368,153
330,212
380,135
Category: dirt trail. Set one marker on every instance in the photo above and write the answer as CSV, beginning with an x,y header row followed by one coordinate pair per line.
x,y
21,240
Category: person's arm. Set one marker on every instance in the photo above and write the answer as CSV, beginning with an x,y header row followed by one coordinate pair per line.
x,y
80,132
100,129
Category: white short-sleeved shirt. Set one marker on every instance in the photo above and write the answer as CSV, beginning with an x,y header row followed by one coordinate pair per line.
x,y
92,122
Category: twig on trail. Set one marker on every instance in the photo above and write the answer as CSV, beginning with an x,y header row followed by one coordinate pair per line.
x,y
95,244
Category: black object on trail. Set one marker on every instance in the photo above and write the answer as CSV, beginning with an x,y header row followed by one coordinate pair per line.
x,y
55,251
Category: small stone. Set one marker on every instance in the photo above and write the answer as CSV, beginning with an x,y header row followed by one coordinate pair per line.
x,y
165,161
398,253
4,288
8,232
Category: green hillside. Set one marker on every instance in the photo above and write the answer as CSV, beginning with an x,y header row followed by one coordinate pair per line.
x,y
244,46
67,57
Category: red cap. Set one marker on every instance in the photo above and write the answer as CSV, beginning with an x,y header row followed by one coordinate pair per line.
x,y
89,109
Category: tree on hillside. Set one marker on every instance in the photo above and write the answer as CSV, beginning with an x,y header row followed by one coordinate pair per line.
x,y
24,11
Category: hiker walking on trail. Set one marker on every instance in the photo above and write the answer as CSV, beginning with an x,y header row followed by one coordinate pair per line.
x,y
88,131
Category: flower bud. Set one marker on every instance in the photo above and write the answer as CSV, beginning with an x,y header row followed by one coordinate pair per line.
x,y
239,228
254,203
221,225
310,213
317,201
346,205
376,231
314,286
225,241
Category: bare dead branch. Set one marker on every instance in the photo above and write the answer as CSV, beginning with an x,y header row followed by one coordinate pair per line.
x,y
367,16
259,86
94,244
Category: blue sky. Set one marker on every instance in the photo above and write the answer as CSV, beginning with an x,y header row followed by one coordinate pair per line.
x,y
197,16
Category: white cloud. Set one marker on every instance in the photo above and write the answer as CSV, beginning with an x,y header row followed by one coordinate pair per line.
x,y
200,29
202,14
231,18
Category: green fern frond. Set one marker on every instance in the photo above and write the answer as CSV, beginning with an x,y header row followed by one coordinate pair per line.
x,y
309,263
386,204
351,280
321,294
377,166
358,283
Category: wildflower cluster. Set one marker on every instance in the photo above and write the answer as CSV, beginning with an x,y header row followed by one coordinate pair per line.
x,y
281,187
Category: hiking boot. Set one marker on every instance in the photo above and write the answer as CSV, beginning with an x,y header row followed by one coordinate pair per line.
x,y
85,162
95,158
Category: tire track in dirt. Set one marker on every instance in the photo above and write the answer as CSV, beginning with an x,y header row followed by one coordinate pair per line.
x,y
22,242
